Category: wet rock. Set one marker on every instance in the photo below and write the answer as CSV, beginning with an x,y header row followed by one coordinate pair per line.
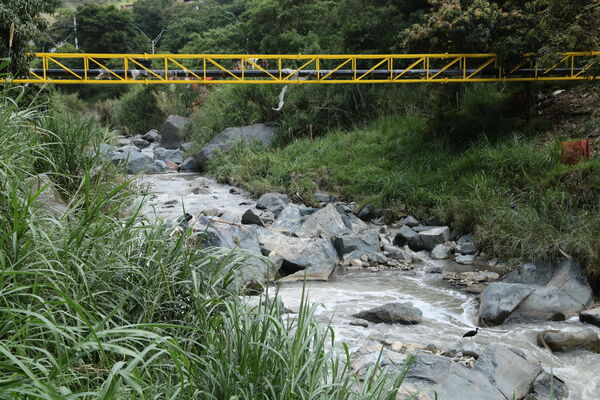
x,y
463,347
357,263
48,200
212,212
189,165
329,222
471,277
367,212
258,133
152,136
499,300
586,339
548,387
392,313
590,316
441,252
274,202
410,221
175,156
140,143
316,258
564,293
398,254
465,259
172,132
350,247
359,322
250,218
466,249
508,369
404,236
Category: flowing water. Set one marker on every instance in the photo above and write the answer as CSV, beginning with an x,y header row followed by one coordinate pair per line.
x,y
447,312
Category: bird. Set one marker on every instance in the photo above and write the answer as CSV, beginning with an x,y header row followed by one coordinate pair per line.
x,y
471,333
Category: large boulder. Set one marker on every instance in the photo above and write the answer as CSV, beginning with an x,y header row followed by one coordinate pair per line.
x,y
175,156
172,132
590,316
499,300
274,202
424,238
189,165
299,257
350,247
392,313
548,387
564,341
259,133
329,222
536,292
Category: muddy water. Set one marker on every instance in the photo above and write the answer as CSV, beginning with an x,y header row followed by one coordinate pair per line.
x,y
447,312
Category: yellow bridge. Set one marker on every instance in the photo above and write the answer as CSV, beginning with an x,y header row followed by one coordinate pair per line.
x,y
77,68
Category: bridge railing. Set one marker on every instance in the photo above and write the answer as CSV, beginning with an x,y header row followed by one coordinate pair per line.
x,y
82,68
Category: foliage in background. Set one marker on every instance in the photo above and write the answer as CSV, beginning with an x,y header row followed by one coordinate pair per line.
x,y
137,111
26,15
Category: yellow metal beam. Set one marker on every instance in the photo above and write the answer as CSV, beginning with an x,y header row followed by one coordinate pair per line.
x,y
76,68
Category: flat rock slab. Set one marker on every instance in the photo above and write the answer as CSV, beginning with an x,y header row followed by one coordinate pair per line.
x,y
392,313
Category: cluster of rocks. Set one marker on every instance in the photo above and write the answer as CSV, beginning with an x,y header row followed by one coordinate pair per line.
x,y
463,371
155,151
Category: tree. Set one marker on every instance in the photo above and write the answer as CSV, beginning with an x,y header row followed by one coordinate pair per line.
x,y
149,15
108,30
26,18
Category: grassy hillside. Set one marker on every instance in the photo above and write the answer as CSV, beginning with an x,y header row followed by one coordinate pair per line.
x,y
507,185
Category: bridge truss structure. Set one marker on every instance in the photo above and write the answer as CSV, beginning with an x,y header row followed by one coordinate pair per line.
x,y
97,69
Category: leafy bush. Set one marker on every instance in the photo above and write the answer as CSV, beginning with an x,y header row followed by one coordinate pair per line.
x,y
137,111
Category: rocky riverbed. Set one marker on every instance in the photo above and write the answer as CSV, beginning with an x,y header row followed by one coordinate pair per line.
x,y
411,287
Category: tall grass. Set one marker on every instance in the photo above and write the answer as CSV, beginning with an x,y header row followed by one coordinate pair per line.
x,y
94,305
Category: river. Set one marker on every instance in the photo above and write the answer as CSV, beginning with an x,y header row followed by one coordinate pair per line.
x,y
447,312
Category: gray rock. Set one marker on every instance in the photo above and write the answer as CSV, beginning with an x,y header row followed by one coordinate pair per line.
x,y
157,166
175,156
466,248
508,370
392,313
367,212
564,296
350,247
291,218
464,347
590,316
274,202
404,236
565,341
172,132
433,221
187,146
134,162
432,237
359,322
533,274
316,258
548,387
140,143
128,149
48,200
468,238
250,218
499,300
465,259
441,252
152,136
329,222
410,221
189,165
324,197
224,141
398,254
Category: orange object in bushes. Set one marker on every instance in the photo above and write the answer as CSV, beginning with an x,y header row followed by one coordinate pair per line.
x,y
574,152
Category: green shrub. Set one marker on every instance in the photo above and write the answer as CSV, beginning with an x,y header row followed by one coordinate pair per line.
x,y
137,111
